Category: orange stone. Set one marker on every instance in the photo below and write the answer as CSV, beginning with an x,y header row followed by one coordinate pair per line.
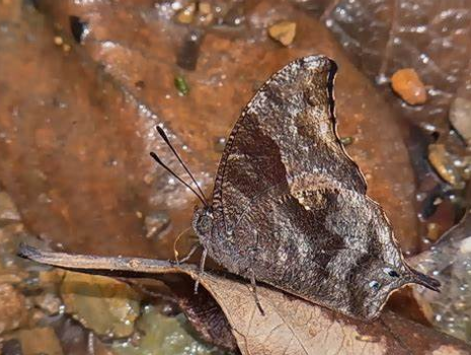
x,y
407,84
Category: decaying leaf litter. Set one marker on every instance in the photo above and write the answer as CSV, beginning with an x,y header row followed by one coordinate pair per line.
x,y
159,106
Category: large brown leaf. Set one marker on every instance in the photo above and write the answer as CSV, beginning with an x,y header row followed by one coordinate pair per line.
x,y
289,325
91,127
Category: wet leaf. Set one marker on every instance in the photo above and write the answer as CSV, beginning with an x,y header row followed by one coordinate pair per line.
x,y
290,325
449,261
429,36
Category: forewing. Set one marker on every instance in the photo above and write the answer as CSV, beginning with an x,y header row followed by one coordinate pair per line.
x,y
284,139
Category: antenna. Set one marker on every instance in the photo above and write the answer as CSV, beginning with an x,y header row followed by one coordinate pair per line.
x,y
157,159
165,138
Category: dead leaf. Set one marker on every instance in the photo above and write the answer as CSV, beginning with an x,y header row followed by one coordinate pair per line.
x,y
289,326
449,263
118,83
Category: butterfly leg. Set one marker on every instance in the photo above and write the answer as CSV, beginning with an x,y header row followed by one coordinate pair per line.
x,y
193,249
253,282
202,262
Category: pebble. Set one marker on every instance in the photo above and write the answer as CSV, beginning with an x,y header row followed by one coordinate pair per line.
x,y
346,140
48,302
102,304
442,161
407,84
187,14
162,335
465,246
41,340
13,312
8,211
283,32
433,231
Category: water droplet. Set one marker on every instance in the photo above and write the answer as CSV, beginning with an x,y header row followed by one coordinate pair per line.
x,y
220,144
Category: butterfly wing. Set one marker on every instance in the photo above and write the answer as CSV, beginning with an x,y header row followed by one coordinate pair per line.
x,y
289,205
285,138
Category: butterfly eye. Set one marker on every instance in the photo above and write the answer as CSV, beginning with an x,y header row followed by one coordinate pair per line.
x,y
390,272
375,285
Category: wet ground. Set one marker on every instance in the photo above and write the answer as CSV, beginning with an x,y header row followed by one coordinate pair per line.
x,y
83,84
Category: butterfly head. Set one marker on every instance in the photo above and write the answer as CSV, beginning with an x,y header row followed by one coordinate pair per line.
x,y
203,221
386,270
381,279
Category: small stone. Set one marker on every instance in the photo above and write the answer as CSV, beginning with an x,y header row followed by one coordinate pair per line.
x,y
205,13
35,316
40,341
433,231
50,278
187,14
102,304
407,84
48,302
205,8
442,161
465,246
346,140
460,117
8,209
58,40
283,32
161,334
12,278
13,312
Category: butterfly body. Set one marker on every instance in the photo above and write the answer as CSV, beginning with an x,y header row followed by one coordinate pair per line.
x,y
290,207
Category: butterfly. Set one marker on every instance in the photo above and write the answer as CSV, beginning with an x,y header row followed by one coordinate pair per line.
x,y
289,206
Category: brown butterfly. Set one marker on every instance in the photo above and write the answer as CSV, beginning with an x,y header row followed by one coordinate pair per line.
x,y
289,206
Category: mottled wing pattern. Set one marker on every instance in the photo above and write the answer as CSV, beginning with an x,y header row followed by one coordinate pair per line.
x,y
326,254
286,138
290,207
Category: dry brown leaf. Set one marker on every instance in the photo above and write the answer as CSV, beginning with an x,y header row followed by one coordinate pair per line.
x,y
289,325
